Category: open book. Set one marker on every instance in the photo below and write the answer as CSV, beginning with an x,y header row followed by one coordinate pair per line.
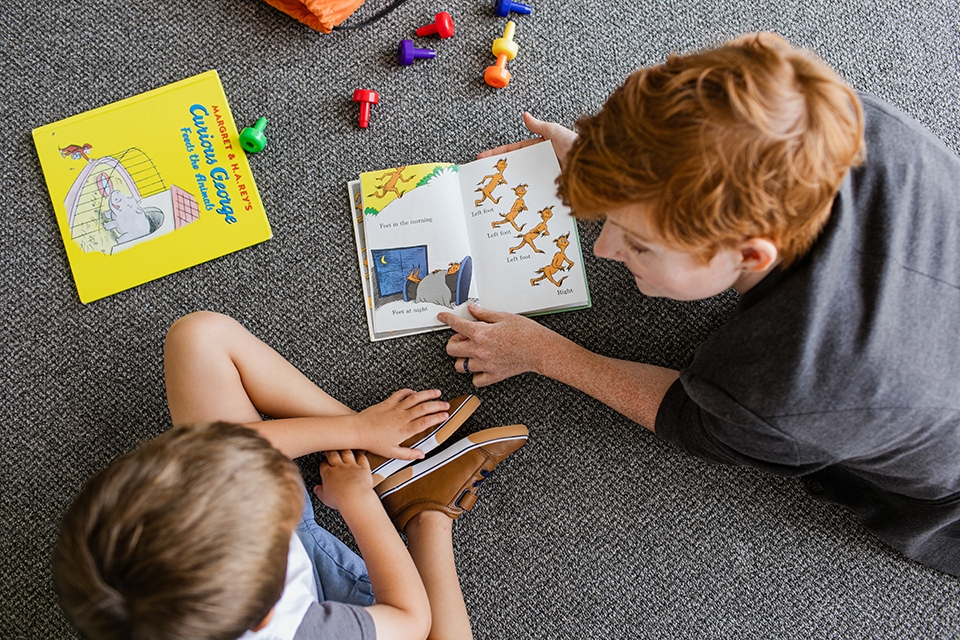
x,y
434,237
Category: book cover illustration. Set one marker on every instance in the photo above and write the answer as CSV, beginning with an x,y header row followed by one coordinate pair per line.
x,y
150,185
434,237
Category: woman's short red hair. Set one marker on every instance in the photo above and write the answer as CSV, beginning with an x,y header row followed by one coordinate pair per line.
x,y
751,139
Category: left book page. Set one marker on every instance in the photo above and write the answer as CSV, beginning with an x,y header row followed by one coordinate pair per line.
x,y
417,245
356,205
150,185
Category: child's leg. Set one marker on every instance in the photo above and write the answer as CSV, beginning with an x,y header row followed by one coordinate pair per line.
x,y
217,370
430,542
425,499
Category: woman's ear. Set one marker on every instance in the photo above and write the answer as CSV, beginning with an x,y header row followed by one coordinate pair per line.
x,y
758,254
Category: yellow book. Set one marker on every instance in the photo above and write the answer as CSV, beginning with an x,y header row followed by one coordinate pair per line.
x,y
150,185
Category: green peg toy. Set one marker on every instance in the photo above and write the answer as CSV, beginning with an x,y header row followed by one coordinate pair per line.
x,y
252,139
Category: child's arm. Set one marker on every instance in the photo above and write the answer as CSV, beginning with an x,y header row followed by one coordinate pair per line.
x,y
216,370
402,611
378,429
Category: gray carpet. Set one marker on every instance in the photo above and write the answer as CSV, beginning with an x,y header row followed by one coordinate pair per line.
x,y
595,529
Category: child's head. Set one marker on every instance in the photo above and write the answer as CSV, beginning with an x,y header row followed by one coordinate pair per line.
x,y
186,537
749,140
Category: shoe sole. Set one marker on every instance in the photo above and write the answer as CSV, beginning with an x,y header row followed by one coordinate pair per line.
x,y
423,468
433,440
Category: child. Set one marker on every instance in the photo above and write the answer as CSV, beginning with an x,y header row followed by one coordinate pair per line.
x,y
837,219
205,532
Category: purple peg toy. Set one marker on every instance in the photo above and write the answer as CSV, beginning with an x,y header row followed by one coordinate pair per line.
x,y
505,7
407,53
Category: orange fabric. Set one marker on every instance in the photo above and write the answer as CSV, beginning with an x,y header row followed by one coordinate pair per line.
x,y
322,15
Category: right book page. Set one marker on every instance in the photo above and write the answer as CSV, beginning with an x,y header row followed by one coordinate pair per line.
x,y
525,245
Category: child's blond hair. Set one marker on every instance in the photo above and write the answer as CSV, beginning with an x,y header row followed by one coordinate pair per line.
x,y
186,537
751,139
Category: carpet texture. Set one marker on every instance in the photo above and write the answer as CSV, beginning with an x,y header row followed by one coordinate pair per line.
x,y
595,529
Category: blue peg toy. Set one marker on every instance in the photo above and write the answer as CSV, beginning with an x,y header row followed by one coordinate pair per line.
x,y
505,7
407,53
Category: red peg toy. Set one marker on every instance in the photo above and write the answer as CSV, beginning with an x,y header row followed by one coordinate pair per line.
x,y
365,97
442,27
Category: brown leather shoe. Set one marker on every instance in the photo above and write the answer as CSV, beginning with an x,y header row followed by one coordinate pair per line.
x,y
448,481
461,408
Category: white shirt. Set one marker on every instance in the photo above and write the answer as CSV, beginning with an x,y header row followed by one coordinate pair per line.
x,y
299,592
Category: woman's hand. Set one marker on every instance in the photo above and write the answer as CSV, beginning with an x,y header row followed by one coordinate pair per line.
x,y
561,138
496,345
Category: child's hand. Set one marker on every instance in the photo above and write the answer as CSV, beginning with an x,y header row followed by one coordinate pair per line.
x,y
384,426
346,479
561,138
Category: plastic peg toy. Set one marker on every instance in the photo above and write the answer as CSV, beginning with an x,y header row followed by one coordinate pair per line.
x,y
252,139
407,53
443,26
506,7
505,45
505,49
366,98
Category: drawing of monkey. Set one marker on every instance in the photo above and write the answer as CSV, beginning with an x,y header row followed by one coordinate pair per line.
x,y
76,152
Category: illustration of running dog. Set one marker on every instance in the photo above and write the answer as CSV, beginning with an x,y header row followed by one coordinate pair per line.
x,y
560,262
495,179
537,231
390,186
518,206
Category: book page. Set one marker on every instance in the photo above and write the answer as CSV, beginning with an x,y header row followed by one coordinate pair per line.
x,y
356,207
526,248
417,246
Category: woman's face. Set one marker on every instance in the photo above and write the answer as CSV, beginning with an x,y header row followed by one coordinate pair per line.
x,y
660,270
